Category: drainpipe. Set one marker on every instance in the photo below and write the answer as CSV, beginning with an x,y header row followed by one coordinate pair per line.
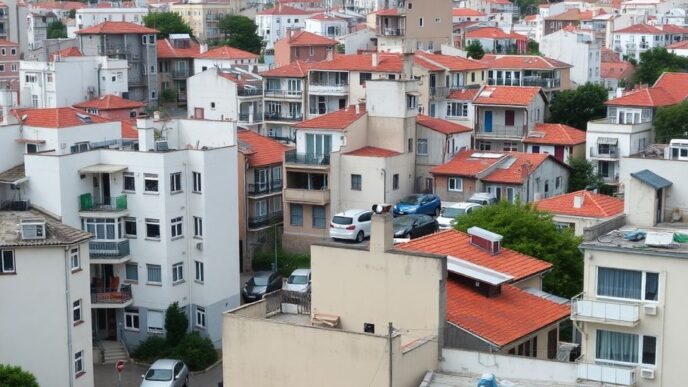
x,y
188,237
384,185
68,307
100,67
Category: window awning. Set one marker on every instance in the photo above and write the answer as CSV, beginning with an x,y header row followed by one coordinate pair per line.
x,y
29,141
15,175
607,140
103,168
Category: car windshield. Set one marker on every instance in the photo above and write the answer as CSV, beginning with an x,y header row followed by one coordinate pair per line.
x,y
452,212
297,280
342,220
478,201
258,281
403,221
413,199
159,375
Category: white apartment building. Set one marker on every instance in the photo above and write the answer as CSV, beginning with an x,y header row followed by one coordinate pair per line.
x,y
580,49
638,38
89,17
64,81
37,22
327,24
45,261
273,23
223,57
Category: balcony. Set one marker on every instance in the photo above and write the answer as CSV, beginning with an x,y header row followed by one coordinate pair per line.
x,y
604,311
102,298
250,92
108,251
292,157
545,83
248,118
604,373
257,222
278,116
108,204
307,196
279,93
327,88
612,124
391,31
501,131
610,153
274,186
180,73
503,82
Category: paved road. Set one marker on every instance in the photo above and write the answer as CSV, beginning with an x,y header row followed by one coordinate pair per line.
x,y
106,376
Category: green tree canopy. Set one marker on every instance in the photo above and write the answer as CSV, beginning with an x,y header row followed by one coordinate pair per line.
x,y
176,324
533,48
167,23
583,175
533,233
12,376
656,61
57,30
475,50
671,122
240,32
577,107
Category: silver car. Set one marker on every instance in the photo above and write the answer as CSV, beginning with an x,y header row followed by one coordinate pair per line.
x,y
166,373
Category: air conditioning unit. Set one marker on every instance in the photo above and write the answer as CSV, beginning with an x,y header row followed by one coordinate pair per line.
x,y
33,229
161,146
647,373
199,246
650,309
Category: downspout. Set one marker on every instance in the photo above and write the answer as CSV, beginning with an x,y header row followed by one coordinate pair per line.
x,y
245,244
188,249
384,185
100,67
70,354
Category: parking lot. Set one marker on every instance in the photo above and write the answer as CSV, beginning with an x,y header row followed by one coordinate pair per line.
x,y
106,376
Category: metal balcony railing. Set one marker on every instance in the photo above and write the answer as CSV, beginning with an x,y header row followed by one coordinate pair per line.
x,y
283,93
109,249
255,117
607,153
546,83
278,116
306,158
265,188
113,203
503,82
515,131
265,220
250,92
111,296
180,73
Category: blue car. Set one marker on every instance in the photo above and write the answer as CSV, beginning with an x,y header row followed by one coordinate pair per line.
x,y
418,204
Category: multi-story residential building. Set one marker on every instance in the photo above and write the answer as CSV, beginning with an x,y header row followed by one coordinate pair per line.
x,y
112,107
460,15
9,65
64,81
303,46
615,74
582,210
43,259
459,106
176,63
580,49
528,70
561,141
223,57
309,5
504,115
678,48
204,16
409,26
89,17
37,22
274,23
284,96
327,24
4,22
638,38
260,194
627,129
571,17
495,40
507,176
132,42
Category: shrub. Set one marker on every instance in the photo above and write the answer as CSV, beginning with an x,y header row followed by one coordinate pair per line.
x,y
151,349
196,351
11,376
286,262
176,324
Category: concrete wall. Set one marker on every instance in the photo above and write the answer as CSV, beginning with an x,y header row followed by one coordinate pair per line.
x,y
574,49
206,88
640,203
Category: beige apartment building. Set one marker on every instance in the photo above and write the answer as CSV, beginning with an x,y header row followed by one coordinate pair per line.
x,y
204,16
413,26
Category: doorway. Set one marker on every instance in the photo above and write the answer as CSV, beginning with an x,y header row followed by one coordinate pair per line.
x,y
488,122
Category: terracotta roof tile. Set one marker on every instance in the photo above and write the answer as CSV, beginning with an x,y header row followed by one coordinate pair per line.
x,y
574,14
109,102
66,52
673,29
465,164
594,205
116,28
284,10
262,150
297,69
616,70
388,12
371,151
507,95
166,50
339,120
514,173
526,62
461,12
645,97
675,84
440,125
227,52
493,33
62,5
129,130
305,38
463,94
640,29
681,45
390,63
452,63
56,118
608,55
327,17
8,43
556,134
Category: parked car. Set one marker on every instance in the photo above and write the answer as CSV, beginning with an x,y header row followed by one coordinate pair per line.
x,y
482,198
414,226
261,283
166,373
449,213
299,281
351,224
427,204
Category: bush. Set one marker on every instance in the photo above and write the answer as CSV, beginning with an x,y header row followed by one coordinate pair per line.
x,y
286,262
12,376
176,324
151,349
196,351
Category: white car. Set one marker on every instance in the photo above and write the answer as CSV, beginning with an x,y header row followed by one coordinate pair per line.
x,y
351,224
449,213
299,281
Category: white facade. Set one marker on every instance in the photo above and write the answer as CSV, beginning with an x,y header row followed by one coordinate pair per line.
x,y
575,48
633,44
37,22
331,27
202,64
274,27
89,17
358,40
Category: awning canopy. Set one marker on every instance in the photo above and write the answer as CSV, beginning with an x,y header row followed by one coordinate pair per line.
x,y
15,175
652,179
607,140
29,141
103,168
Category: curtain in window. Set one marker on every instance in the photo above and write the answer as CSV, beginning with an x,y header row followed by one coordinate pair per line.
x,y
617,346
619,283
651,286
154,273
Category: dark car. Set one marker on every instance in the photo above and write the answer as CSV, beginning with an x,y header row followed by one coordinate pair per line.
x,y
427,204
414,226
261,283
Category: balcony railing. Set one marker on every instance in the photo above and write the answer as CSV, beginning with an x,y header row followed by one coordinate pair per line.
x,y
265,220
251,118
278,116
503,82
120,296
392,31
113,203
250,92
180,73
265,188
546,83
306,158
328,88
606,373
516,131
307,196
109,249
609,153
604,311
283,93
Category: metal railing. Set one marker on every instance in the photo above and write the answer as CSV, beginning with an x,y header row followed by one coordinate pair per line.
x,y
282,117
113,203
283,93
392,31
515,131
620,312
503,82
111,296
107,249
250,92
306,158
609,153
180,73
246,117
327,83
265,220
547,83
264,188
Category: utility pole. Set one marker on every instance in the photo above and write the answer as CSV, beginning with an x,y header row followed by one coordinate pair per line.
x,y
389,339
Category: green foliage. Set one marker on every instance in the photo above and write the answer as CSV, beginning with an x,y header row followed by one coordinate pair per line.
x,y
166,23
57,30
152,349
533,233
583,175
475,50
671,122
13,376
168,95
196,351
577,107
656,61
533,48
240,32
286,262
340,48
72,14
176,324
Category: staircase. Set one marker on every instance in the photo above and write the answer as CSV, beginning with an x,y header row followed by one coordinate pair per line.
x,y
113,351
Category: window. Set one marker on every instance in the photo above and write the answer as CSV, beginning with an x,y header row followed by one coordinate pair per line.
x,y
356,182
30,78
318,217
129,182
2,68
625,347
129,227
177,272
457,109
510,146
154,274
649,350
200,317
155,321
131,272
13,67
150,183
410,145
176,227
212,105
421,22
176,182
76,311
196,176
200,271
455,184
79,363
198,227
103,229
131,319
296,214
74,259
557,182
629,284
363,77
511,194
152,228
13,51
422,147
411,102
395,181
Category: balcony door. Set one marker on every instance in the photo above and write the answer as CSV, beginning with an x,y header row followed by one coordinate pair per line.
x,y
488,122
318,144
294,86
509,117
101,188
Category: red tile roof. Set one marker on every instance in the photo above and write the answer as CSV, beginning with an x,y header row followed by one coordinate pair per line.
x,y
502,319
56,118
681,44
8,43
390,63
527,62
63,5
556,134
675,84
116,28
284,10
388,12
465,164
66,52
507,95
129,130
493,33
594,205
297,69
227,52
326,17
339,120
644,97
640,29
609,55
459,12
261,150
440,125
451,63
166,50
673,29
514,173
457,244
616,70
305,38
463,94
574,14
371,151
109,102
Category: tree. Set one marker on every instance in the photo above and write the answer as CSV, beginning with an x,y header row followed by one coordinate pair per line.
x,y
671,122
532,232
656,61
583,175
11,376
176,324
240,32
167,23
72,14
533,48
57,30
577,107
475,50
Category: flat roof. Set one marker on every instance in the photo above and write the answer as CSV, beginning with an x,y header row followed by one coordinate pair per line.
x,y
440,379
615,241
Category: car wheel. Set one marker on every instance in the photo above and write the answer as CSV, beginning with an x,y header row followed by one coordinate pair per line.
x,y
186,382
437,212
360,237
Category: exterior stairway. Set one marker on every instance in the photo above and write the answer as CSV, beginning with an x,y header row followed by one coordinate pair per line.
x,y
113,351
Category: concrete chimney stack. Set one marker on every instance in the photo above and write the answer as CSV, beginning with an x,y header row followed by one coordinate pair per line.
x,y
204,48
578,201
381,232
375,59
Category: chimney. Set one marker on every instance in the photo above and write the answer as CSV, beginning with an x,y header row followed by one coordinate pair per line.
x,y
146,131
578,201
381,228
485,240
375,59
204,48
358,108
525,170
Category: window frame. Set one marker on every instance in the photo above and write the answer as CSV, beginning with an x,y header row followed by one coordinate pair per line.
x,y
131,316
150,266
77,312
455,180
292,206
153,222
199,275
639,361
128,221
177,273
74,256
151,177
128,176
198,227
643,283
199,321
356,182
3,257
79,363
197,180
177,227
175,183
315,219
395,182
422,147
126,272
